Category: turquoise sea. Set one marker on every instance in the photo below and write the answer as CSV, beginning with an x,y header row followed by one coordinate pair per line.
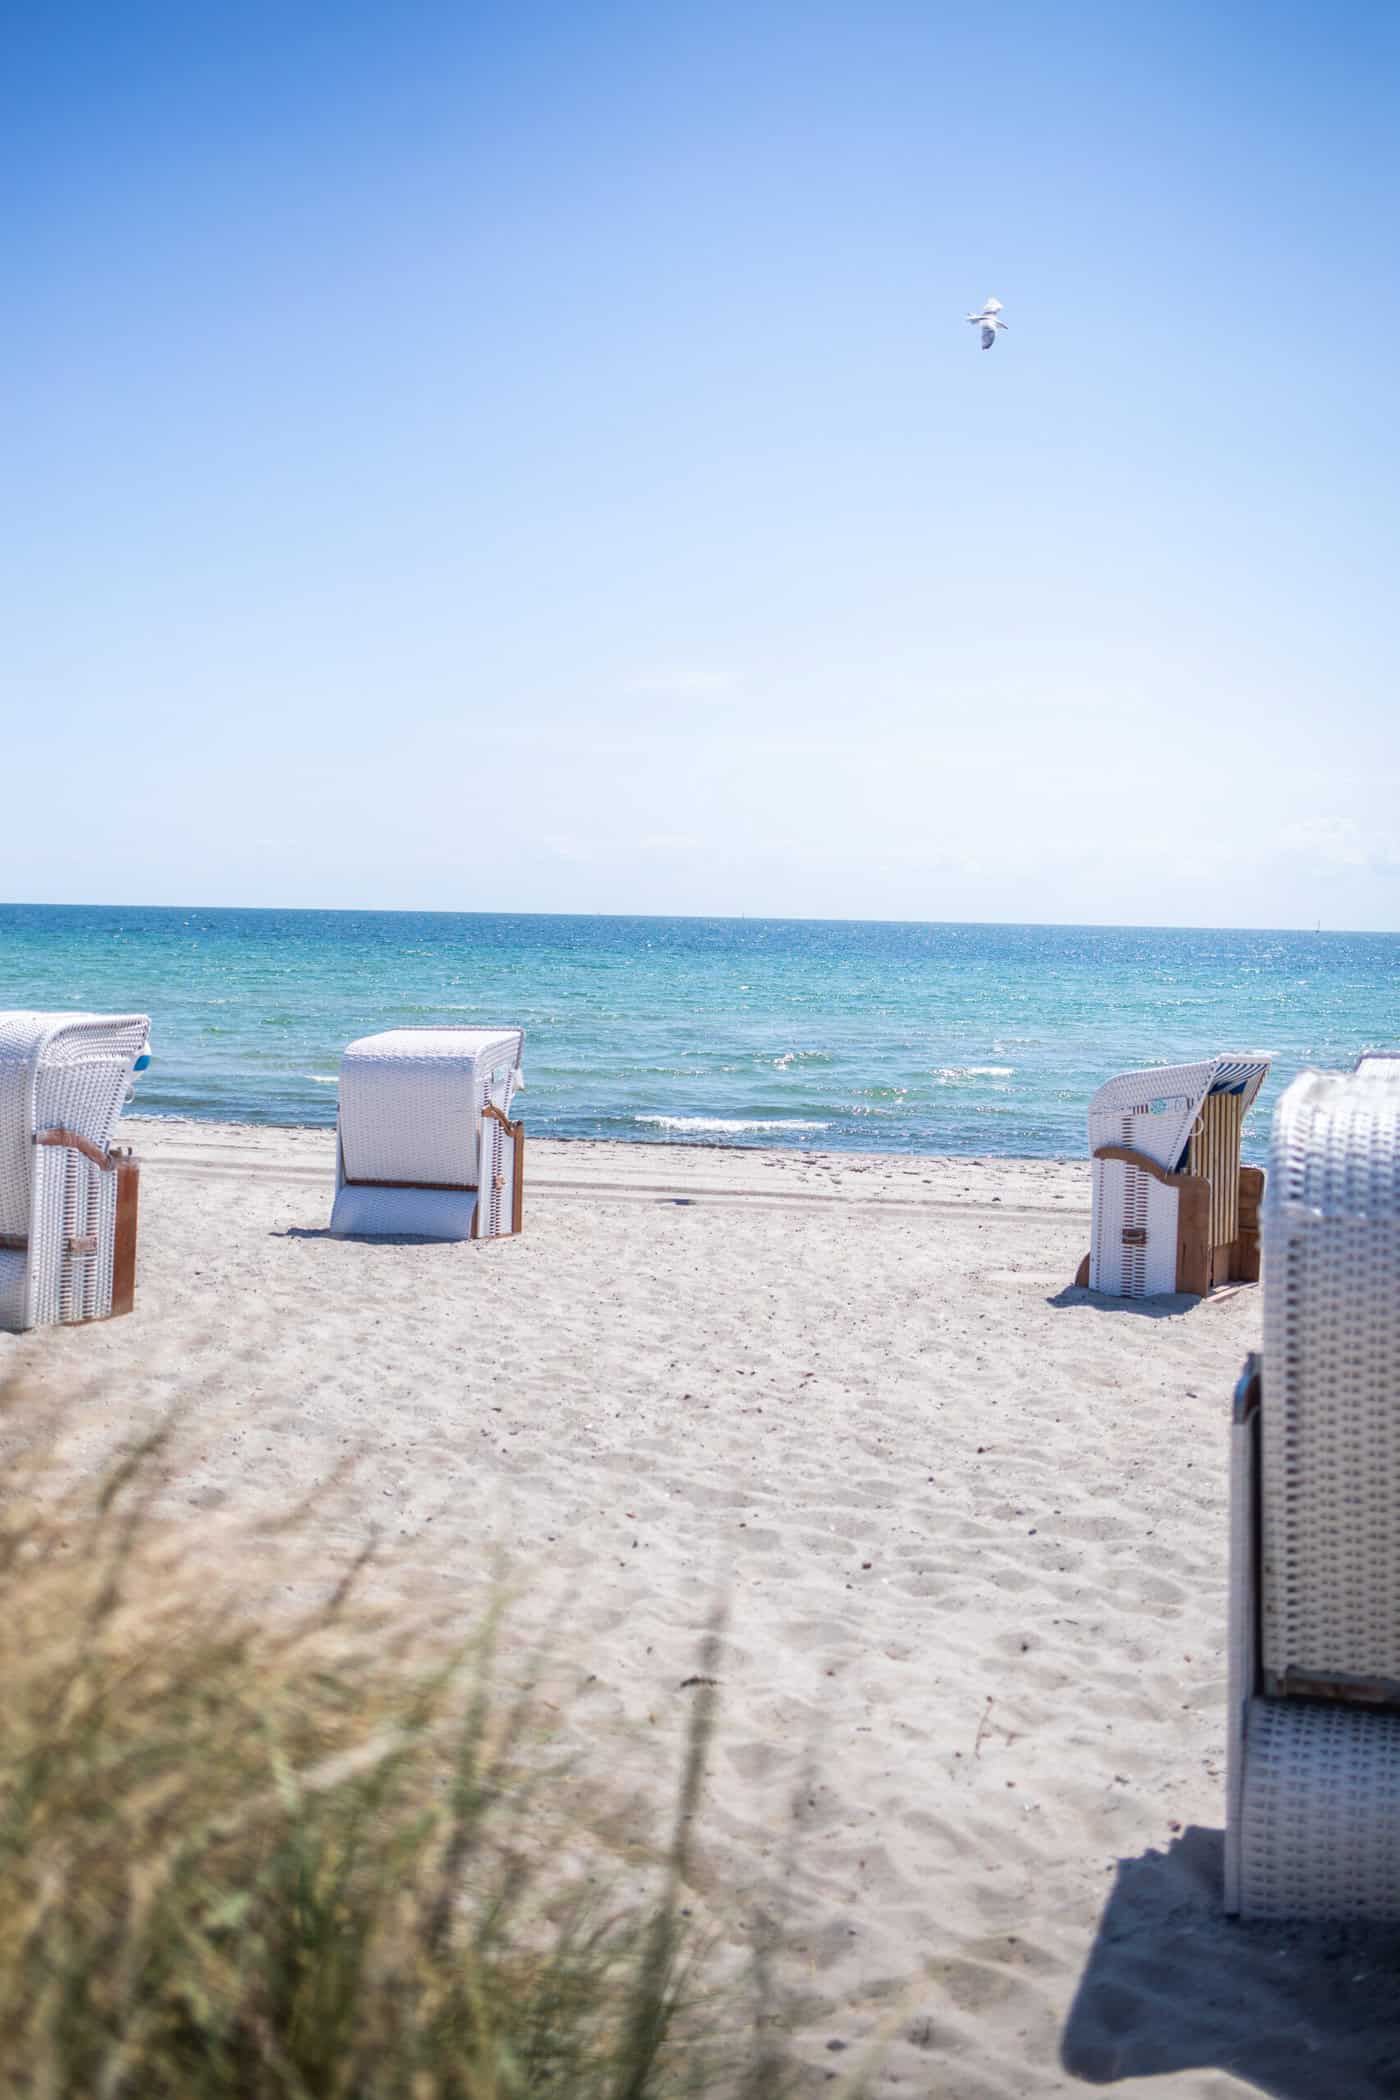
x,y
835,1034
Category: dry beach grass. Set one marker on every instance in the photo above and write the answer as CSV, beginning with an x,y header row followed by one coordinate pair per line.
x,y
971,1526
317,1853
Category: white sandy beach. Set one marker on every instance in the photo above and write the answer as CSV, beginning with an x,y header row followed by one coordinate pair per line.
x,y
971,1525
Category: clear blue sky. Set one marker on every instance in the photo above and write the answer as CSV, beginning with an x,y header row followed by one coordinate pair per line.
x,y
532,457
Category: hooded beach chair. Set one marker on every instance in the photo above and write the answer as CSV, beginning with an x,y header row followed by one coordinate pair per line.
x,y
68,1203
1313,1803
425,1144
1173,1210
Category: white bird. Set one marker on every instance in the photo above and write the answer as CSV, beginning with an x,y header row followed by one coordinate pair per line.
x,y
988,323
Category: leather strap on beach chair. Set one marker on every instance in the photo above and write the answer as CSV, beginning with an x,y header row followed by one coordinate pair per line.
x,y
95,1153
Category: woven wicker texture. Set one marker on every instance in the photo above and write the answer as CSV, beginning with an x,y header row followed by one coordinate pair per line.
x,y
411,1112
66,1072
1320,1820
411,1099
1158,1113
1330,1575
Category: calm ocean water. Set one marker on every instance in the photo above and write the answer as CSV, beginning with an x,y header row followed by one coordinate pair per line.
x,y
868,1037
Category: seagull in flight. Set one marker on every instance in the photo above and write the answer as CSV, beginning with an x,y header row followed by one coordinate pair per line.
x,y
988,323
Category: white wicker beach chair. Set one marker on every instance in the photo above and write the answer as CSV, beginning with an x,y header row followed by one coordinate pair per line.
x,y
1172,1208
68,1203
425,1143
1313,1817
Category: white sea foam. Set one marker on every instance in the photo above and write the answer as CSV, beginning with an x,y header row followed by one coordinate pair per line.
x,y
975,1071
732,1125
322,1078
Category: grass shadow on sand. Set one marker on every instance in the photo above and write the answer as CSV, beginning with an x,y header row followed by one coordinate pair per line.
x,y
1299,2011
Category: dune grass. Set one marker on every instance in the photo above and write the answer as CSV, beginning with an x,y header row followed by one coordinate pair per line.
x,y
253,1855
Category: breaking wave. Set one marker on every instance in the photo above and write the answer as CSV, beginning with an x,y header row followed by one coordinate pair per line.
x,y
731,1126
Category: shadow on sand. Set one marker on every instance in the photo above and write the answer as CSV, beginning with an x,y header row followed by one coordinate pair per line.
x,y
362,1239
1303,2012
1166,1307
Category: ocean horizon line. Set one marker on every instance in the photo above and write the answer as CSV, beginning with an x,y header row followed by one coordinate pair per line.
x,y
717,918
